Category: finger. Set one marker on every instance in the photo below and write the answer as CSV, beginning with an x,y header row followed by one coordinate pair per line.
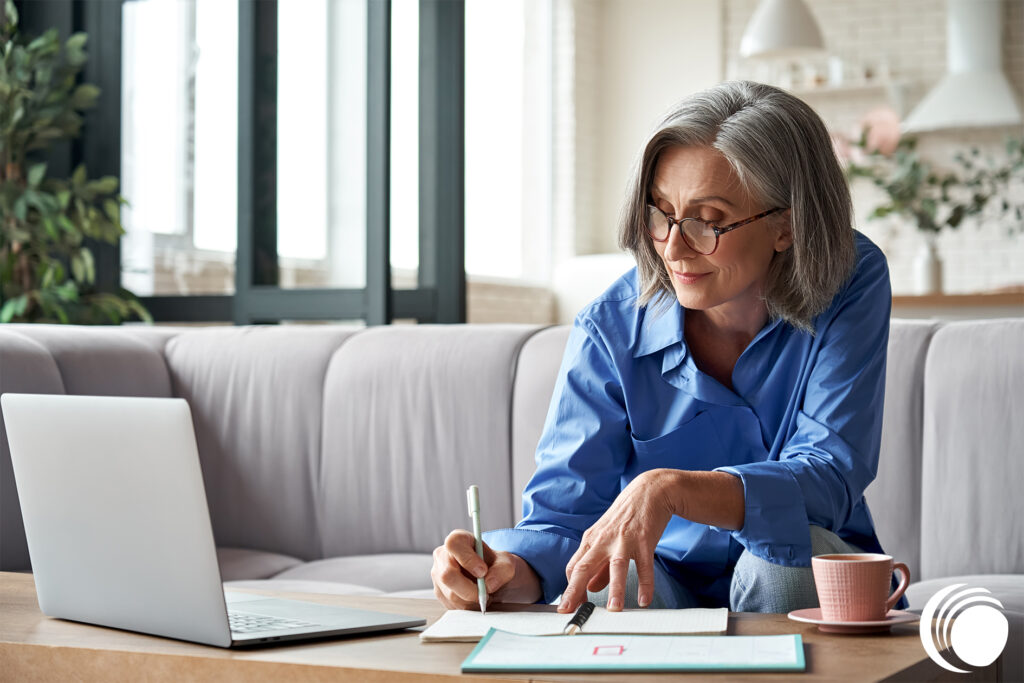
x,y
599,581
501,571
450,576
442,597
443,594
645,574
451,601
581,551
576,592
461,545
618,569
571,564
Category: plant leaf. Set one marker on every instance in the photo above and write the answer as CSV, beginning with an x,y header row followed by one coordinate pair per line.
x,y
90,264
36,174
77,41
51,228
11,15
78,177
77,267
113,210
85,96
13,307
21,208
105,185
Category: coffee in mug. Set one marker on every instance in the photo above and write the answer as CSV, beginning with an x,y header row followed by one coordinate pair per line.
x,y
855,586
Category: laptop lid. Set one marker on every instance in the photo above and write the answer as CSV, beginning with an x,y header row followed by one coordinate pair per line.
x,y
115,513
119,533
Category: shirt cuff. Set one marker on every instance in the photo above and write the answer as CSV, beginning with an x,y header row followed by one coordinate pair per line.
x,y
775,525
548,553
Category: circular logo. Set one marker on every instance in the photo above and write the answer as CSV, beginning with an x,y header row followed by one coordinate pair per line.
x,y
965,623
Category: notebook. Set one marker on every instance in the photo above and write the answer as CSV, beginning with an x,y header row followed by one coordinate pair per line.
x,y
470,626
500,651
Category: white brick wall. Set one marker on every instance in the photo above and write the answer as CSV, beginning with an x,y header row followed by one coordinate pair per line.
x,y
909,36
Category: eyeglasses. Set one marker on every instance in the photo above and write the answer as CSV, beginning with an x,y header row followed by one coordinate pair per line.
x,y
700,236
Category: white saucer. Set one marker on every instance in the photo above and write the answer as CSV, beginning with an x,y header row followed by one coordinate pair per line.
x,y
813,616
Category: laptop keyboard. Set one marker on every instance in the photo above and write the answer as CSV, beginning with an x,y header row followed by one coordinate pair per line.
x,y
243,622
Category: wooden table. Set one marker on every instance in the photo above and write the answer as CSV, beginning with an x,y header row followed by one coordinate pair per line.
x,y
34,647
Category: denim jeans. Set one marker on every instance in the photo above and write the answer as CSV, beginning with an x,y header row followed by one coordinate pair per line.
x,y
757,585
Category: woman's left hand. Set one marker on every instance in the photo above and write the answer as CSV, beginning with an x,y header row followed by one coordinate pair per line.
x,y
629,530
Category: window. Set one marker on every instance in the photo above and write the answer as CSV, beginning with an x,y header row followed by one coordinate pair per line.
x,y
278,207
509,139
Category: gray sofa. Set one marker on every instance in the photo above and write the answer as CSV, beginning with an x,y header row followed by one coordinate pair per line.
x,y
336,458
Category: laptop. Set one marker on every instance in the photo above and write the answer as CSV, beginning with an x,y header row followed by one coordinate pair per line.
x,y
119,531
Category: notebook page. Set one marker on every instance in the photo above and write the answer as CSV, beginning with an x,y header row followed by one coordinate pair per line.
x,y
659,621
471,626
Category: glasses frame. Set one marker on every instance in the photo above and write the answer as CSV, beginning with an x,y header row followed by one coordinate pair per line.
x,y
718,230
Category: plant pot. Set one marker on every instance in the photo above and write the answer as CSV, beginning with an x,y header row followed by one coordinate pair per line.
x,y
928,267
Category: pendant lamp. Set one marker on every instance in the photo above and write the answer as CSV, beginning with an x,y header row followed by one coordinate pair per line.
x,y
781,28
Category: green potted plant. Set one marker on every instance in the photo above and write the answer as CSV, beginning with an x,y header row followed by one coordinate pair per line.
x,y
934,200
47,270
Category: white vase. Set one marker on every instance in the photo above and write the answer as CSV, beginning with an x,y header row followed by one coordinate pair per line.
x,y
928,267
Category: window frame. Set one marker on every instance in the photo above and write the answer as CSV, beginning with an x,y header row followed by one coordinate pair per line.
x,y
440,294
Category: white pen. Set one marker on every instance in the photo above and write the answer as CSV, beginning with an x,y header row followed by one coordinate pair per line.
x,y
473,497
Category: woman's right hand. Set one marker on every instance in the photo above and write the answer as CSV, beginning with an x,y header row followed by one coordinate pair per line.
x,y
509,578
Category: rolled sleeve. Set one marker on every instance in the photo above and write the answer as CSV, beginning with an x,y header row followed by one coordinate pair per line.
x,y
546,552
775,522
819,474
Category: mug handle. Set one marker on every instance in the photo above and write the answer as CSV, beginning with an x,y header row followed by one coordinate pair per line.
x,y
901,588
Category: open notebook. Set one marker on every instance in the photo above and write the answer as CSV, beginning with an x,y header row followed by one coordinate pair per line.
x,y
508,652
469,627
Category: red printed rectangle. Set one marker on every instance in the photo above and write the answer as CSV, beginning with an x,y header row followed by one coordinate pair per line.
x,y
602,650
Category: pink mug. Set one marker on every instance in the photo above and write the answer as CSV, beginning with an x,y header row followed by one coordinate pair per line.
x,y
855,586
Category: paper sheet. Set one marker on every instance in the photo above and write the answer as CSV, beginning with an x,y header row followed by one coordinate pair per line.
x,y
470,626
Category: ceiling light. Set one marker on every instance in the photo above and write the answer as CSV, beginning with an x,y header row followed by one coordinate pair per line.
x,y
781,28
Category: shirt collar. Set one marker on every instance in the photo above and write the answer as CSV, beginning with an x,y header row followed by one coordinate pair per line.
x,y
659,327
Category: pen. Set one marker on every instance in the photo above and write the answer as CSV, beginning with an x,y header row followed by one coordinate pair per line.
x,y
473,496
578,619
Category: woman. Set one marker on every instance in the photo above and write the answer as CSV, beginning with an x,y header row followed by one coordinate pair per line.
x,y
718,412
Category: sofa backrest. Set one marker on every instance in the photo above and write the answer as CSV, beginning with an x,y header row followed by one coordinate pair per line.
x,y
286,418
257,406
414,415
894,497
973,450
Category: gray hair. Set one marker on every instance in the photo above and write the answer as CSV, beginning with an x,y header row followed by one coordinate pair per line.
x,y
782,153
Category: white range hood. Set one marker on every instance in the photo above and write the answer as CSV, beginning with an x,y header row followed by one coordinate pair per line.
x,y
975,92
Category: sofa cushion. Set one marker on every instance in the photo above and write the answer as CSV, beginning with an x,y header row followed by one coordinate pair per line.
x,y
536,372
386,572
256,398
894,497
103,361
1007,588
414,415
240,564
972,508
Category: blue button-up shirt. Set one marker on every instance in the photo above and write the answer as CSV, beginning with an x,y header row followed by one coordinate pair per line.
x,y
801,428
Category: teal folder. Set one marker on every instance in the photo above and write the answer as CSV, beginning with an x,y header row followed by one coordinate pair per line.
x,y
501,651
